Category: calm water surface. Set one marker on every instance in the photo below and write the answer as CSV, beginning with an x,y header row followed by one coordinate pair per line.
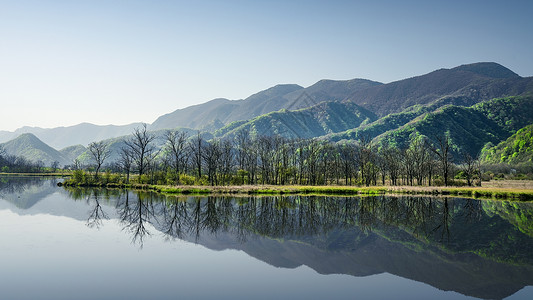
x,y
61,243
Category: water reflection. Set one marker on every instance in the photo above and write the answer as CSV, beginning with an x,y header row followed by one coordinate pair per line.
x,y
24,192
450,223
477,248
470,246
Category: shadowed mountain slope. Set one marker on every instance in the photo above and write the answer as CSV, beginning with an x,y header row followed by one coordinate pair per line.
x,y
474,83
283,96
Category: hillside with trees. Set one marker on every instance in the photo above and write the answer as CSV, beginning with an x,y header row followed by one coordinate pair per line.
x,y
315,121
516,150
469,128
30,147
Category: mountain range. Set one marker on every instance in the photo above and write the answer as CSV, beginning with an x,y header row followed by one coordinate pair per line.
x,y
61,137
476,103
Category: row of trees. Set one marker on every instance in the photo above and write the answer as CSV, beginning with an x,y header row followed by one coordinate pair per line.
x,y
280,161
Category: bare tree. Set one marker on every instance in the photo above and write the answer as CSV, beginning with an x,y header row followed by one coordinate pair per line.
x,y
196,148
226,160
100,152
420,155
265,151
176,144
125,162
97,213
347,154
242,141
251,161
54,165
76,164
469,168
211,154
442,150
392,157
366,159
140,146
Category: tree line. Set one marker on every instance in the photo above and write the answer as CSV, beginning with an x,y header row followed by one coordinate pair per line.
x,y
276,160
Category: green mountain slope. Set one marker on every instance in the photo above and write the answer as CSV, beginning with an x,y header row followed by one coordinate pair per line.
x,y
470,128
517,149
393,121
32,148
72,152
310,122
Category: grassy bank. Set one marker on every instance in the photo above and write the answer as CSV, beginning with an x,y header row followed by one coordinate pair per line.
x,y
473,192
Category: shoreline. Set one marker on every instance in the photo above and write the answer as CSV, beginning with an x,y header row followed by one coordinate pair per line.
x,y
467,192
34,174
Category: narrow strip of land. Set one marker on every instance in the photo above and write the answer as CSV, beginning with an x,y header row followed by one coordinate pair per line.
x,y
476,192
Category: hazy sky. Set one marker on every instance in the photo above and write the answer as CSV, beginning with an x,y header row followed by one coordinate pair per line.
x,y
118,62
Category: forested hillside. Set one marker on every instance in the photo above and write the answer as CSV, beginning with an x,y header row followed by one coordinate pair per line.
x,y
30,147
517,149
315,121
469,128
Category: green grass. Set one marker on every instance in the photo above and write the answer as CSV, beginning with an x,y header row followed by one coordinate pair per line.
x,y
473,192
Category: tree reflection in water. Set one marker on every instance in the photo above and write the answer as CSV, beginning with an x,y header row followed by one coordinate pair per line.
x,y
449,222
97,213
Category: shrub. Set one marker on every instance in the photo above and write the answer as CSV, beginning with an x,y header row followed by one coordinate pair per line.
x,y
187,179
171,178
79,177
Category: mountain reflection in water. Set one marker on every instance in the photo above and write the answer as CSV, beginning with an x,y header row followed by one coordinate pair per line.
x,y
476,248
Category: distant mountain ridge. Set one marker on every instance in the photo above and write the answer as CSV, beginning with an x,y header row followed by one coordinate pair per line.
x,y
476,103
32,148
474,83
283,96
82,134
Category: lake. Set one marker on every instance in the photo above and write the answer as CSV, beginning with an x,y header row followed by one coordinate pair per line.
x,y
59,243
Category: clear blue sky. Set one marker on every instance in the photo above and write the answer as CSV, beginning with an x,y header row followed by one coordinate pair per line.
x,y
117,62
